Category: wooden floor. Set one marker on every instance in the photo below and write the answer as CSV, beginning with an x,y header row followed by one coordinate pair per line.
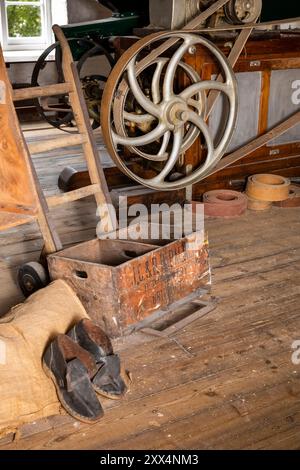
x,y
239,390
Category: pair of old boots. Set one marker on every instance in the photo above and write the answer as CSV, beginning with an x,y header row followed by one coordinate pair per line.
x,y
82,364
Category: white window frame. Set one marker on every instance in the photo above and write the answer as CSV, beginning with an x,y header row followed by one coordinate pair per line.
x,y
28,43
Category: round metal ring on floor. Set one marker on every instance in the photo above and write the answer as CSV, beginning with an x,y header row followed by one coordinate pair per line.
x,y
268,188
224,203
293,200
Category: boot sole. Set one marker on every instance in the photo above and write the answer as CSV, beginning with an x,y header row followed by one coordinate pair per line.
x,y
69,410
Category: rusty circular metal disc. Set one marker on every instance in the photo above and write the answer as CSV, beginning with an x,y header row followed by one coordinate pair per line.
x,y
293,200
224,203
268,188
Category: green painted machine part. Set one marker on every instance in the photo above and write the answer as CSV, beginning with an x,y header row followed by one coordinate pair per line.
x,y
120,24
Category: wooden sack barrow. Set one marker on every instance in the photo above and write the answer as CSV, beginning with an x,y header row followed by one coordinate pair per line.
x,y
21,198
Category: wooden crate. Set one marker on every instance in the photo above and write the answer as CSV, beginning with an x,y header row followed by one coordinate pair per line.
x,y
122,282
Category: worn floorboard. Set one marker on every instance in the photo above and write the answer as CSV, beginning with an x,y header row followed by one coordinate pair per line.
x,y
239,389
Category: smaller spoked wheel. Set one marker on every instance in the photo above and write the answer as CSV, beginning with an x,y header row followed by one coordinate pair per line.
x,y
32,277
155,106
58,112
243,11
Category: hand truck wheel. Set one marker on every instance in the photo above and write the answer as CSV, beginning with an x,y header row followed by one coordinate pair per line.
x,y
32,277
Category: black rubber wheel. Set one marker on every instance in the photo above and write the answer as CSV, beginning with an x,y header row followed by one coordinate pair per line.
x,y
65,178
32,277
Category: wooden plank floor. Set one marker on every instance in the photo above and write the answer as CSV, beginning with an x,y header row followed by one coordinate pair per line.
x,y
239,390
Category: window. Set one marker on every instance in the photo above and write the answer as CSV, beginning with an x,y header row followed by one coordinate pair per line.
x,y
26,24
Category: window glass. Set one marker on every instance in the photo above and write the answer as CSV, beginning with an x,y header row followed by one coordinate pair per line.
x,y
24,21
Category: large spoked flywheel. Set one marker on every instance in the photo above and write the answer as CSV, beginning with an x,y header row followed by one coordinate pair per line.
x,y
154,108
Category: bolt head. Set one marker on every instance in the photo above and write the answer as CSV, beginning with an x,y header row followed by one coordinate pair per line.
x,y
192,50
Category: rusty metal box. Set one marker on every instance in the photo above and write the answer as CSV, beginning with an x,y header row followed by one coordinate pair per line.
x,y
123,282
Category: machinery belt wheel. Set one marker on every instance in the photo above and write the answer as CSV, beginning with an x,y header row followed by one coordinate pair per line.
x,y
268,188
243,11
293,200
224,203
167,118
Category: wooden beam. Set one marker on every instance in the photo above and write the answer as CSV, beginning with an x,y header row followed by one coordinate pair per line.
x,y
60,199
39,91
264,102
48,145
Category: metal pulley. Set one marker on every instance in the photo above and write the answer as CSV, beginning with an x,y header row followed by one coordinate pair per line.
x,y
154,107
242,11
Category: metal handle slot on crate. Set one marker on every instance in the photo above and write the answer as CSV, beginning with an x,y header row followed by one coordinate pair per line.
x,y
131,254
81,274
